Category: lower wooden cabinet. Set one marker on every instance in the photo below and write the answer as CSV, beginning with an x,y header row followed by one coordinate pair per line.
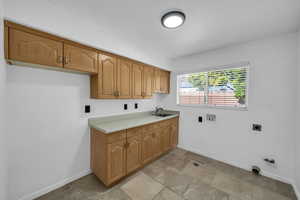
x,y
174,133
147,147
133,153
115,155
157,150
165,139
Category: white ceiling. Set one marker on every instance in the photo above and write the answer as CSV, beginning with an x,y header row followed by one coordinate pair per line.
x,y
209,24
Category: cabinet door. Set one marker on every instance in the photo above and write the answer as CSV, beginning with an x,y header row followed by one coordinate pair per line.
x,y
80,59
156,137
164,81
166,138
147,81
124,79
156,81
133,155
30,48
116,160
137,81
174,134
107,76
147,147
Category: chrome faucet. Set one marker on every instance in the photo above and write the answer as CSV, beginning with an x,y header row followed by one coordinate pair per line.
x,y
158,110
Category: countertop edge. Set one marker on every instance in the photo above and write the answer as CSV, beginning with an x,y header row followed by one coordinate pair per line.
x,y
91,125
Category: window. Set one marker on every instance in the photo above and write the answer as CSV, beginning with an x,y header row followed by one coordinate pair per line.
x,y
226,87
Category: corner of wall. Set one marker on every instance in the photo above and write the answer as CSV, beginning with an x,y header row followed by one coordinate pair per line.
x,y
3,147
297,133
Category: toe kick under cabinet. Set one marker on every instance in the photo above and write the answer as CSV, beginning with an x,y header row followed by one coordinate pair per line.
x,y
115,155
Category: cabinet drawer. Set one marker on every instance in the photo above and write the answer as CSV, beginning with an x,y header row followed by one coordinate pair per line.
x,y
112,137
134,132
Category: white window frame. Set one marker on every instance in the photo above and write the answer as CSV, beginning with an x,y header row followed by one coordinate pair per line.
x,y
224,67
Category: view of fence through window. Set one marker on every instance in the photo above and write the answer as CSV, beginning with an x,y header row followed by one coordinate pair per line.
x,y
225,87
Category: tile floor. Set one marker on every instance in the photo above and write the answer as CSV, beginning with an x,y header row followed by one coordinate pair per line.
x,y
179,175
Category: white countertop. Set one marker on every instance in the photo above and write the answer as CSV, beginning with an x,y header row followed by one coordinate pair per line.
x,y
120,122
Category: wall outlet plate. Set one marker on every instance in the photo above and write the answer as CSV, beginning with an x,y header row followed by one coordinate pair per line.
x,y
269,162
211,117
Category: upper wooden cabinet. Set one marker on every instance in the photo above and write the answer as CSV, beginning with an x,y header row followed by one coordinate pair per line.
x,y
124,70
147,81
80,59
104,84
161,81
156,80
30,48
164,81
112,76
137,81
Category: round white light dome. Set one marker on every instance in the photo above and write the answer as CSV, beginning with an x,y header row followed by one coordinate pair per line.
x,y
173,19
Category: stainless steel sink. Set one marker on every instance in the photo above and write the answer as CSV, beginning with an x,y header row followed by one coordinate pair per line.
x,y
163,115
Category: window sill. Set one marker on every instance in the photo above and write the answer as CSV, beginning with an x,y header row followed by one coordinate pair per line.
x,y
214,107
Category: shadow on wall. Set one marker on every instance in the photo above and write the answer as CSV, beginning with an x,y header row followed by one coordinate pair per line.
x,y
37,76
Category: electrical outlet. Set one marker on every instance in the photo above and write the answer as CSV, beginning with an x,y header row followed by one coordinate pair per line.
x,y
136,106
125,106
211,117
87,108
200,119
270,161
256,127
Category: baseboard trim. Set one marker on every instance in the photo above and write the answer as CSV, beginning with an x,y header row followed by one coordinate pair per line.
x,y
55,186
245,167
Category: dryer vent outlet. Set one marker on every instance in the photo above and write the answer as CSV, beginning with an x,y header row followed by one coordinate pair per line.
x,y
256,170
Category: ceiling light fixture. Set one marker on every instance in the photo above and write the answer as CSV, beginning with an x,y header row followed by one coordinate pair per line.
x,y
173,19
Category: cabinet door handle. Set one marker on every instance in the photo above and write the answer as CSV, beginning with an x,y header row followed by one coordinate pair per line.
x,y
65,60
59,59
126,145
116,93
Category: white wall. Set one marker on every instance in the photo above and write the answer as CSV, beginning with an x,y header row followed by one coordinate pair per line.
x,y
48,139
76,23
48,131
272,100
3,152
